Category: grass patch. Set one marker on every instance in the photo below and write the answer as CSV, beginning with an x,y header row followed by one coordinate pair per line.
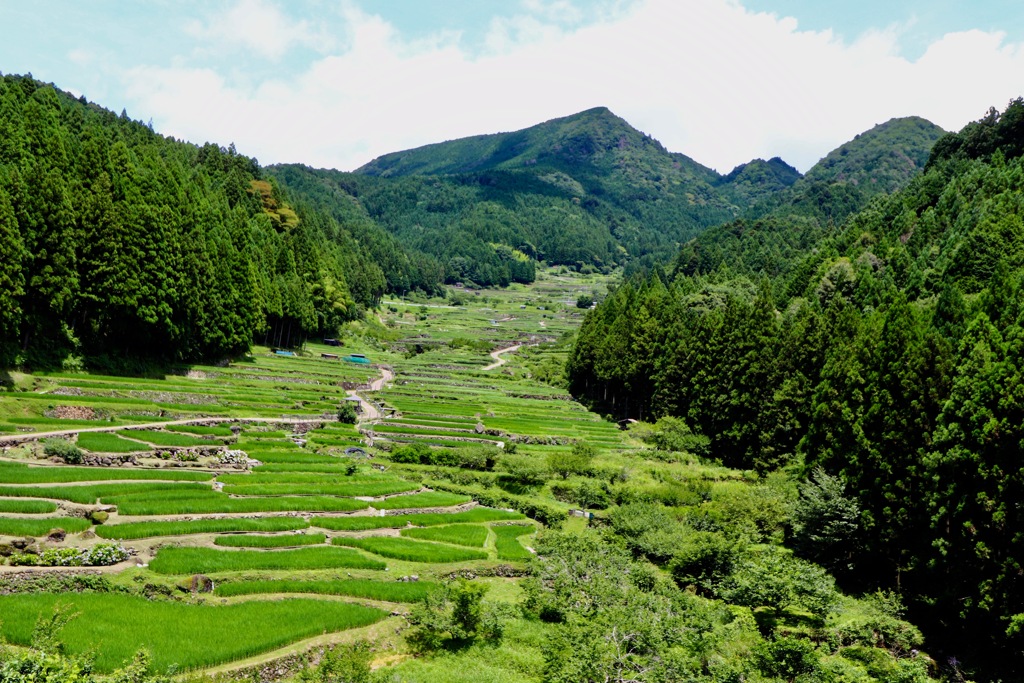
x,y
387,591
209,560
411,551
470,535
322,489
27,507
176,634
203,430
89,494
15,526
17,473
507,543
134,530
215,503
477,514
101,442
159,438
427,499
280,541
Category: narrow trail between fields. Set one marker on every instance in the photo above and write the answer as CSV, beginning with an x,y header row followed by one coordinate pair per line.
x,y
498,360
370,412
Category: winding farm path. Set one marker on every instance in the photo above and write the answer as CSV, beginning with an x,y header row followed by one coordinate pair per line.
x,y
370,412
498,360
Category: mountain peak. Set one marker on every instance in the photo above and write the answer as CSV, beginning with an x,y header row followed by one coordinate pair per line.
x,y
571,139
881,159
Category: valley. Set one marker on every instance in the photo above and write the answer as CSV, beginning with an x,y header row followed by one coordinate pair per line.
x,y
232,495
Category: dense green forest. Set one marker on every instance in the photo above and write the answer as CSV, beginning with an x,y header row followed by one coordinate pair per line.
x,y
885,350
115,240
122,243
588,191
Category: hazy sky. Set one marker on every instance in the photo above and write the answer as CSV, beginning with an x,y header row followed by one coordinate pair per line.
x,y
335,83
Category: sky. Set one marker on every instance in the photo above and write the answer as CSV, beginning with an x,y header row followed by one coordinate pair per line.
x,y
336,83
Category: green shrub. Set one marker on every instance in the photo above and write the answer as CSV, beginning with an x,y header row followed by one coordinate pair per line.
x,y
576,462
347,413
63,449
772,577
523,469
585,493
704,560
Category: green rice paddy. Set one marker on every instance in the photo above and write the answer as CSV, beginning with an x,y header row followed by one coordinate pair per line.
x,y
279,541
411,551
20,526
136,530
470,535
178,636
173,560
386,591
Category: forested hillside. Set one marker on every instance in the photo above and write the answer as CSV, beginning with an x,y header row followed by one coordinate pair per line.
x,y
116,241
887,350
589,191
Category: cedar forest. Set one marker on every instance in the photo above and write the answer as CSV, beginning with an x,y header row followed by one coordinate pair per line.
x,y
855,334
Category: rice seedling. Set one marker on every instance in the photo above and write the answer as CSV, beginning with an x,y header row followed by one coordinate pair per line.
x,y
261,477
208,560
159,438
19,526
387,591
322,489
115,626
427,499
411,551
507,542
203,430
470,535
87,494
278,541
99,442
222,504
134,530
477,514
18,473
27,507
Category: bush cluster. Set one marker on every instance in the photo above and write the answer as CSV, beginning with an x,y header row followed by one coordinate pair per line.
x,y
63,449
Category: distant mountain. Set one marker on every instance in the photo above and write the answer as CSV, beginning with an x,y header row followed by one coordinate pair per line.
x,y
755,180
595,139
591,191
587,190
787,223
883,159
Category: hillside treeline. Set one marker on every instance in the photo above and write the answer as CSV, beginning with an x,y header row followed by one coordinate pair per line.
x,y
888,350
116,241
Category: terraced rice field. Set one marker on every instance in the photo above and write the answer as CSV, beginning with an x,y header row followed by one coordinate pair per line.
x,y
298,512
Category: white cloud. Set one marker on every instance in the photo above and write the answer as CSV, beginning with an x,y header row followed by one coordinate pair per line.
x,y
256,26
706,77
